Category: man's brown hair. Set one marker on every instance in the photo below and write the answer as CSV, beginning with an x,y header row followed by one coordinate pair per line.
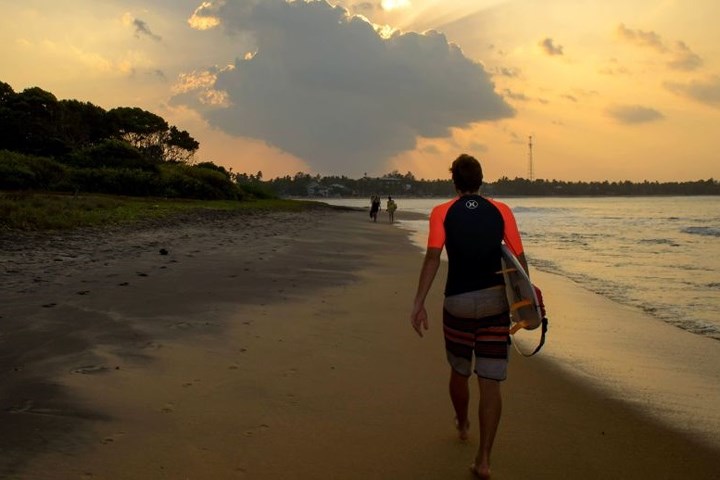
x,y
466,173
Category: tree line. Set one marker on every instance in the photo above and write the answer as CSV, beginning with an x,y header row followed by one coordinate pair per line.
x,y
397,184
68,145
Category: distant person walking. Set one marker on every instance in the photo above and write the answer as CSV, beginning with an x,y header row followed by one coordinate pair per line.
x,y
391,207
475,312
374,207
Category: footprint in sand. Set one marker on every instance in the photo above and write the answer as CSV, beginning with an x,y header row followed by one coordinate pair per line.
x,y
111,438
90,369
123,284
258,429
151,345
83,292
290,372
168,408
142,274
182,325
49,305
24,406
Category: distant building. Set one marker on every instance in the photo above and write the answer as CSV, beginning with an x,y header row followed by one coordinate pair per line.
x,y
314,189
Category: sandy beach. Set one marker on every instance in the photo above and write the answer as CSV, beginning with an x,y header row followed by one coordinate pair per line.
x,y
277,345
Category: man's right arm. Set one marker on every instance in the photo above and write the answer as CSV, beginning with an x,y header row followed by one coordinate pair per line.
x,y
430,266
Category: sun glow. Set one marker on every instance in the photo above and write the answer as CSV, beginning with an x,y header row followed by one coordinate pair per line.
x,y
201,20
394,4
385,31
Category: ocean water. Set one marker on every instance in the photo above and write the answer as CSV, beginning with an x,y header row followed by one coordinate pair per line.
x,y
660,255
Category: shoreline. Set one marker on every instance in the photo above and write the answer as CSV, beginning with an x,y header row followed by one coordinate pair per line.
x,y
629,355
278,345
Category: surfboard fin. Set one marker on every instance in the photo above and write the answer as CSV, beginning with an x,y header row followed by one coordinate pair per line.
x,y
518,305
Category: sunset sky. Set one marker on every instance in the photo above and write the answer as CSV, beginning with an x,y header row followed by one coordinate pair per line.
x,y
613,89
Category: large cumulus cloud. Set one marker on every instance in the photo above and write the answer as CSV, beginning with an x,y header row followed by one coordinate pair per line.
x,y
328,88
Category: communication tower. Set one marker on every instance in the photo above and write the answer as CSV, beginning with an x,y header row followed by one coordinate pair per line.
x,y
531,173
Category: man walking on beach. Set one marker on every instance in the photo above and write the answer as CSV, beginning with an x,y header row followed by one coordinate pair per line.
x,y
475,312
374,207
391,207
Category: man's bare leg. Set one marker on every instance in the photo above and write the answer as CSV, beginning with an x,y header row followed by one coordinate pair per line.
x,y
460,396
489,412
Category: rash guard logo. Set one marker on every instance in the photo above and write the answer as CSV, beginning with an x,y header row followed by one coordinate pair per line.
x,y
471,204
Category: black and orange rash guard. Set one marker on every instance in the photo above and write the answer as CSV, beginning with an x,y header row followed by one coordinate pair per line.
x,y
472,228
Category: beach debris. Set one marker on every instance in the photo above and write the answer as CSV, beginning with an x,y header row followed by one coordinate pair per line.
x,y
163,251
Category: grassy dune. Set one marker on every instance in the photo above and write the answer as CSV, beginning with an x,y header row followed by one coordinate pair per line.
x,y
47,211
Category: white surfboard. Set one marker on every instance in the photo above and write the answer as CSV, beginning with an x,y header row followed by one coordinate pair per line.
x,y
525,310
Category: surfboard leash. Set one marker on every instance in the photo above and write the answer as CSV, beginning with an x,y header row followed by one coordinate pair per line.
x,y
543,331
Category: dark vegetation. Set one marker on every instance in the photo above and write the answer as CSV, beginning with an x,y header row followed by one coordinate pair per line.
x,y
55,145
397,184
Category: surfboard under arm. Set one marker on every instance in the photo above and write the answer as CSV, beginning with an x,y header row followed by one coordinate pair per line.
x,y
524,305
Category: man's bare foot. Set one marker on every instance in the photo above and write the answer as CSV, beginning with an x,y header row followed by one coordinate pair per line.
x,y
463,430
480,471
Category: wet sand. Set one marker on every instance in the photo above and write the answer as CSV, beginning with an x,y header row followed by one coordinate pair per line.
x,y
275,346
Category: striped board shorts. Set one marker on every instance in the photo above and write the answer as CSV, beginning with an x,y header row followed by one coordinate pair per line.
x,y
476,326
